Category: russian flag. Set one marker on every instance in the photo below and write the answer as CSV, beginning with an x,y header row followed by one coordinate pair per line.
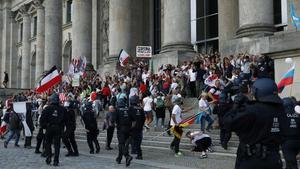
x,y
123,58
287,79
52,78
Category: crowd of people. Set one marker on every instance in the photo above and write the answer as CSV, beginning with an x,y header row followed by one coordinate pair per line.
x,y
136,96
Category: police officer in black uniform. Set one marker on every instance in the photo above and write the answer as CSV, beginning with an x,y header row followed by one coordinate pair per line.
x,y
92,131
124,120
258,129
69,134
53,120
139,120
290,132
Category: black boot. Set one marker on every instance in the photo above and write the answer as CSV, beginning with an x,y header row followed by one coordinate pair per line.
x,y
128,160
118,160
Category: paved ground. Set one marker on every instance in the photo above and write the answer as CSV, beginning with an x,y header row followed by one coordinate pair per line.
x,y
20,158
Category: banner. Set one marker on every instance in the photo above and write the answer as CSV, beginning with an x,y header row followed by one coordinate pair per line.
x,y
76,80
20,108
144,51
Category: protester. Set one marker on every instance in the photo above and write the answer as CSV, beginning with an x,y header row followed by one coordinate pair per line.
x,y
200,141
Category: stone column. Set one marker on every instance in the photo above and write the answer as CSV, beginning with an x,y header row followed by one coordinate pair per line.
x,y
82,29
25,80
40,38
256,18
177,25
53,33
13,52
119,32
228,21
6,20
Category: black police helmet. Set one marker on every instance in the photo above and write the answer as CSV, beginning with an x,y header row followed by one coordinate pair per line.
x,y
134,100
88,106
288,104
121,103
54,98
265,90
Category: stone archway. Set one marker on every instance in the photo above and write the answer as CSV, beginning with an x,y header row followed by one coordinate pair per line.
x,y
19,72
32,70
67,55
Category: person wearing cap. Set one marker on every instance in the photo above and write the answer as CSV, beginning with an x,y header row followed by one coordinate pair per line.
x,y
175,122
53,119
290,131
258,127
123,119
139,119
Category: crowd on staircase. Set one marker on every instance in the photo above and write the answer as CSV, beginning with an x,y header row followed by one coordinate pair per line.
x,y
136,96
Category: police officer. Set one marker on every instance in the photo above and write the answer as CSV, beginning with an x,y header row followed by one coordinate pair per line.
x,y
53,120
69,134
257,127
139,120
291,135
124,120
92,131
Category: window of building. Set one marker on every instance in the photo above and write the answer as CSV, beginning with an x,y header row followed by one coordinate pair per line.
x,y
157,26
69,11
34,26
204,18
280,14
21,32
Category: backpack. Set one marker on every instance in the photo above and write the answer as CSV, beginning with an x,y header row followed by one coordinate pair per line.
x,y
14,121
160,103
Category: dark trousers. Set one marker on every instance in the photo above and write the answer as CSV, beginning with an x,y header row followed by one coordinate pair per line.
x,y
91,140
203,144
193,89
110,134
137,141
175,144
52,135
124,140
272,160
290,149
105,101
69,141
39,140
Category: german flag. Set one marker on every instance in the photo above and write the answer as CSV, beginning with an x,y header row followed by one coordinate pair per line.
x,y
177,130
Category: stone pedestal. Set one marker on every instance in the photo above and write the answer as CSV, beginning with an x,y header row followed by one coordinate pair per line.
x,y
53,33
40,38
25,83
256,18
82,29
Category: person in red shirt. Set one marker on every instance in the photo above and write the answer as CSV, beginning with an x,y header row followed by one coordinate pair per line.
x,y
143,88
106,95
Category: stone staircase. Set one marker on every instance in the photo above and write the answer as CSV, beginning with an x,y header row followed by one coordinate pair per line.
x,y
155,140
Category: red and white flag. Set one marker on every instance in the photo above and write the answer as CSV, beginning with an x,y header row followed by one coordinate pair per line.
x,y
123,58
63,97
52,78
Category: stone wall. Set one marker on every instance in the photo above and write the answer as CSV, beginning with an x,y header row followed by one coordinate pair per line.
x,y
6,93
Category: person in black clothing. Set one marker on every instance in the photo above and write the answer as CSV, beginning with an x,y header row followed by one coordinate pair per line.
x,y
69,134
91,127
5,81
30,124
123,118
139,119
291,135
53,120
258,128
110,126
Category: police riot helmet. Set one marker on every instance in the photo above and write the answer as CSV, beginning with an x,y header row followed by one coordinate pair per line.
x,y
88,106
288,105
121,103
134,100
54,98
265,90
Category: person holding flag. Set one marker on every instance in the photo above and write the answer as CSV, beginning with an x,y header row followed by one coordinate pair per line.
x,y
176,121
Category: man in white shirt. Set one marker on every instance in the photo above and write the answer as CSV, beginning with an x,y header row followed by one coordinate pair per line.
x,y
175,122
192,81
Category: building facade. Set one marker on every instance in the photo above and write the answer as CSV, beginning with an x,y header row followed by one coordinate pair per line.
x,y
37,34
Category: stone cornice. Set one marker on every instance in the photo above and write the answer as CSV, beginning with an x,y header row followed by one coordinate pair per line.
x,y
38,4
67,26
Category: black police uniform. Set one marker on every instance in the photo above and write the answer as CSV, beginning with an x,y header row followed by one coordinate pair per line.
x,y
123,119
91,127
53,120
258,129
69,134
291,136
137,133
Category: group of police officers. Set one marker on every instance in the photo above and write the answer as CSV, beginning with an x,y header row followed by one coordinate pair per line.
x,y
264,124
